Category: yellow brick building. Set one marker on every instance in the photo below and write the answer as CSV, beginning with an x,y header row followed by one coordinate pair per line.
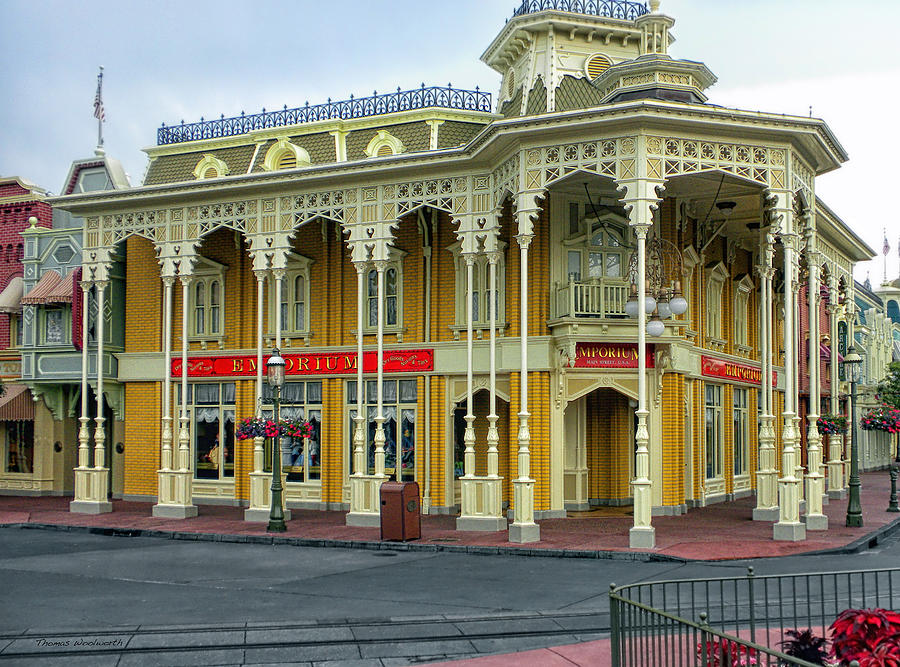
x,y
384,228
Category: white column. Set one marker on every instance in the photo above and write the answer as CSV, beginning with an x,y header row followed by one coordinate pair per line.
x,y
184,434
359,435
836,488
82,474
258,443
523,528
469,435
279,281
365,502
165,484
380,267
168,282
100,485
767,475
260,481
789,526
815,480
177,502
642,534
493,436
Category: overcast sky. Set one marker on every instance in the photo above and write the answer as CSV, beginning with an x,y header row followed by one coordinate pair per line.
x,y
171,60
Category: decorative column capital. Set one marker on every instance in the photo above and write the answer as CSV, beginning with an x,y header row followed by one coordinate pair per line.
x,y
260,275
168,281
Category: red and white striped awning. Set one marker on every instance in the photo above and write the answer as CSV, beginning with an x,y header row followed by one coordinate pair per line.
x,y
52,288
16,404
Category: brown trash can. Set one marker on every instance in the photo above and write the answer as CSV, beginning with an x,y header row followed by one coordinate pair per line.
x,y
401,519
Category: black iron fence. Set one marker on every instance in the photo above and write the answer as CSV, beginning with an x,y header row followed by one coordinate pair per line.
x,y
356,107
614,9
730,620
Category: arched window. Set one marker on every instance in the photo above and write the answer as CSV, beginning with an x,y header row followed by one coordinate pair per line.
x,y
391,290
200,308
214,310
294,297
390,297
299,302
208,296
481,285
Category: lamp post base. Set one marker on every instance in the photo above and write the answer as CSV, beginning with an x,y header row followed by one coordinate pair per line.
x,y
642,538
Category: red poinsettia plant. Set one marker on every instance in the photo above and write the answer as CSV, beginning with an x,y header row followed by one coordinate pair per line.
x,y
262,427
869,636
883,418
723,652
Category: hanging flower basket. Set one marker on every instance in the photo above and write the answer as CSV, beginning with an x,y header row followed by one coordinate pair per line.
x,y
831,424
883,418
261,427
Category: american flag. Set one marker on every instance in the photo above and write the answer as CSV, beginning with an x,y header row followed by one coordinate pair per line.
x,y
887,247
99,113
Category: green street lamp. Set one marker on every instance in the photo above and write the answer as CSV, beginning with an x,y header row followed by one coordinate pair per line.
x,y
852,363
275,376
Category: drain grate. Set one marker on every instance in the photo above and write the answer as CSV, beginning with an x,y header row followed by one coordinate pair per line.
x,y
444,539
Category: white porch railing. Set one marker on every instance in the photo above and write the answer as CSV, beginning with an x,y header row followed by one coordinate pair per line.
x,y
602,298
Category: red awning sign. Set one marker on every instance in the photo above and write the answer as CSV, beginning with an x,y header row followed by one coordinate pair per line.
x,y
342,363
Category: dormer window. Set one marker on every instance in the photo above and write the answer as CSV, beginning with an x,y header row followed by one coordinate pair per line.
x,y
92,180
285,155
210,167
384,144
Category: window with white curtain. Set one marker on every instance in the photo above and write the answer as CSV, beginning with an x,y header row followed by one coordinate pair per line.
x,y
300,457
211,409
400,403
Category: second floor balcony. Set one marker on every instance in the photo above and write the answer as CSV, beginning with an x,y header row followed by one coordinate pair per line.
x,y
601,297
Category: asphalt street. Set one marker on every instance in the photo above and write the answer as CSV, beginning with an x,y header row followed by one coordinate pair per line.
x,y
169,602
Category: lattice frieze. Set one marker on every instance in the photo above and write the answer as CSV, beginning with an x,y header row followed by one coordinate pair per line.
x,y
674,156
506,179
614,158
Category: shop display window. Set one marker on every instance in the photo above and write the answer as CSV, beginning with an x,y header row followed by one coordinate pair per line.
x,y
300,457
19,446
399,402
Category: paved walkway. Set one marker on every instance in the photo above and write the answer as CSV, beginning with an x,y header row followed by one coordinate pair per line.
x,y
719,532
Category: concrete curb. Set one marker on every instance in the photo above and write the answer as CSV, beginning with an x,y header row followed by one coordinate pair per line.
x,y
641,556
861,544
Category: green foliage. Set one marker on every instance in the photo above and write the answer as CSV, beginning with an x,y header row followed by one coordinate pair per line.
x,y
889,388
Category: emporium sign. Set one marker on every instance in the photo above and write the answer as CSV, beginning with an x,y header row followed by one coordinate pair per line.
x,y
610,355
395,361
730,370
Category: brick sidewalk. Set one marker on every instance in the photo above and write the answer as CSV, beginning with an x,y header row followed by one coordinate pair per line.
x,y
718,532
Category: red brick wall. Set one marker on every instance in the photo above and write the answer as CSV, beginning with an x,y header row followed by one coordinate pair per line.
x,y
13,219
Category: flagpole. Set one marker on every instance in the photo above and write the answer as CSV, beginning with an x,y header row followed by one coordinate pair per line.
x,y
98,108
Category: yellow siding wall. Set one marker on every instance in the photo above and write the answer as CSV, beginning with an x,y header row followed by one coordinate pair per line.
x,y
334,440
142,437
673,439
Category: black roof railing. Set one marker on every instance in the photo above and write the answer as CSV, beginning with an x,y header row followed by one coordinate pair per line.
x,y
614,9
360,107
